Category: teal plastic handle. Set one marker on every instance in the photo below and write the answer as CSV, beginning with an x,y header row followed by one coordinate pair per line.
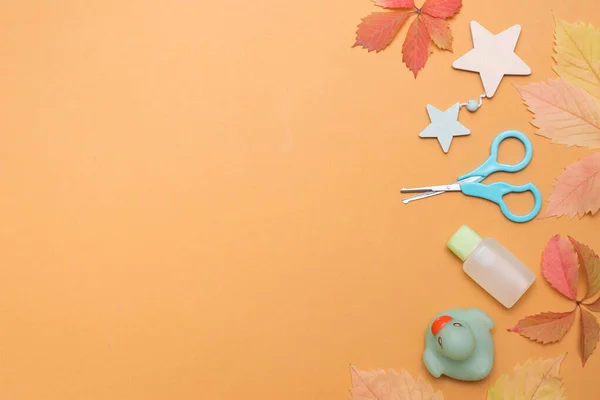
x,y
497,190
492,165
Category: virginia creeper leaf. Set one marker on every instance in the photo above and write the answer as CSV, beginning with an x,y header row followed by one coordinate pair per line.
x,y
382,385
591,262
415,50
439,31
376,31
539,380
546,327
578,55
395,3
577,189
595,306
560,266
590,330
441,8
564,113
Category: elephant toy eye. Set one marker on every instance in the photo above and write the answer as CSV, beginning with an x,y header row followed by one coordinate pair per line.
x,y
440,342
457,324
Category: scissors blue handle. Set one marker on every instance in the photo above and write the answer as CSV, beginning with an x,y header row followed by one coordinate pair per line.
x,y
496,191
491,165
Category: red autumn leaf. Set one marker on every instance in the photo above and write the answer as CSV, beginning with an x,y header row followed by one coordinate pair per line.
x,y
415,50
377,30
595,306
591,262
560,266
441,8
590,330
439,31
546,327
395,3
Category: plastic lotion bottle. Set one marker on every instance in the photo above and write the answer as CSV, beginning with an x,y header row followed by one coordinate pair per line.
x,y
493,267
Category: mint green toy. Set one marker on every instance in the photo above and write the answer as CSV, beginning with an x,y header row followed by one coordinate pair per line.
x,y
458,344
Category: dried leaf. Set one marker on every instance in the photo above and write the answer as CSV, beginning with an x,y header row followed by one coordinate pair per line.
x,y
564,113
589,335
560,266
591,262
595,306
577,189
395,3
441,8
539,380
382,385
578,55
546,327
439,31
377,30
415,50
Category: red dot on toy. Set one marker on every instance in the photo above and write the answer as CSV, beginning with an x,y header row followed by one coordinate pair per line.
x,y
439,323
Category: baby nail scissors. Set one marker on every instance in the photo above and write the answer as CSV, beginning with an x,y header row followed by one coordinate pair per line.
x,y
470,184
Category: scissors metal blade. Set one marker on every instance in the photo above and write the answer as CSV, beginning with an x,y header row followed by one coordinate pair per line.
x,y
453,187
421,196
430,191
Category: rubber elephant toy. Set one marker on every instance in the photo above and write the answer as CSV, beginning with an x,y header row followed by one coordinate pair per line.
x,y
458,344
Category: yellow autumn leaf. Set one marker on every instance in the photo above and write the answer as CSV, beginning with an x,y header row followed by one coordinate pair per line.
x,y
564,113
578,55
389,385
534,380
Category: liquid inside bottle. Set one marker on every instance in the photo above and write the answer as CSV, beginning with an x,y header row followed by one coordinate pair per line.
x,y
492,266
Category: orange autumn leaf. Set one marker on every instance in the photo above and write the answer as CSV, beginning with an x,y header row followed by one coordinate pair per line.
x,y
560,266
591,263
415,50
590,331
389,385
595,306
439,31
564,113
577,189
546,327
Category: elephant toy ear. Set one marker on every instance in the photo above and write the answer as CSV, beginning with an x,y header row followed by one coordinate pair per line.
x,y
482,318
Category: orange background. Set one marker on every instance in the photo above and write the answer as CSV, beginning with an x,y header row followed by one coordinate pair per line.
x,y
200,199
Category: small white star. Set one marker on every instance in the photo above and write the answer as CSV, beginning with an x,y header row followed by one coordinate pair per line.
x,y
444,125
493,56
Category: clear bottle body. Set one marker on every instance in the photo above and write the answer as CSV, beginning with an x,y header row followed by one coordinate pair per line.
x,y
499,272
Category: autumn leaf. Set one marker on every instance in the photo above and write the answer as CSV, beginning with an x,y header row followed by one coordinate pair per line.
x,y
591,263
415,50
539,380
441,8
377,30
577,189
395,3
439,31
589,335
546,327
595,306
560,266
382,385
578,55
564,113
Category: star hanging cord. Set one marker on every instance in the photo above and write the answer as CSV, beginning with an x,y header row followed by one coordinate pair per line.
x,y
376,31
